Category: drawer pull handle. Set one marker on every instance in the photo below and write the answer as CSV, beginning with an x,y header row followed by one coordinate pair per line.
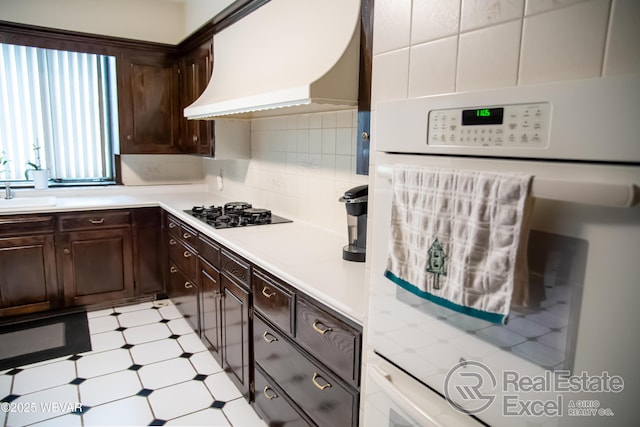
x,y
173,269
186,235
188,285
268,337
172,242
186,254
272,396
172,225
96,221
266,293
322,330
315,383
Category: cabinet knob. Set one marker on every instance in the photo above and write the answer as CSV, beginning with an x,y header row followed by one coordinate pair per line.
x,y
267,395
66,251
172,225
188,285
266,293
129,138
195,138
172,242
186,254
173,269
317,384
186,235
268,337
321,328
96,221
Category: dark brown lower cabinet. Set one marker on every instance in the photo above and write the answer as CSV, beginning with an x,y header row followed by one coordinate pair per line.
x,y
185,294
273,405
27,275
211,308
147,243
317,392
95,266
235,333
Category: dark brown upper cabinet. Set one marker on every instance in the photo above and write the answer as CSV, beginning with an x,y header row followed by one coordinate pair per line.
x,y
147,100
196,66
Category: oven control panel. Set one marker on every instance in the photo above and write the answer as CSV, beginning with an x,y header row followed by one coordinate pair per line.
x,y
517,125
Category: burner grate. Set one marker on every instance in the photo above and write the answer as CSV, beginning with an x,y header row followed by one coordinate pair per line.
x,y
235,214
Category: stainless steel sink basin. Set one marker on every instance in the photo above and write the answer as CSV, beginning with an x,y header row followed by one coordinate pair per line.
x,y
19,203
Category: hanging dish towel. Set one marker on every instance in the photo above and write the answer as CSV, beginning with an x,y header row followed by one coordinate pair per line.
x,y
459,237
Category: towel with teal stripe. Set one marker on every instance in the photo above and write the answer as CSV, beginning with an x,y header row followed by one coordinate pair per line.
x,y
458,238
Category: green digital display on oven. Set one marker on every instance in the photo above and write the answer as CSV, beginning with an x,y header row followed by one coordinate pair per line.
x,y
482,116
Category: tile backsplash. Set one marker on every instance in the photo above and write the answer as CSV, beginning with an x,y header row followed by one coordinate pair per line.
x,y
427,47
300,165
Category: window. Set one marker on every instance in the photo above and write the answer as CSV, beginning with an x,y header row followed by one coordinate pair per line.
x,y
65,103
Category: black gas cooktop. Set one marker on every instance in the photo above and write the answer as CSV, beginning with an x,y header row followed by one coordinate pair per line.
x,y
235,214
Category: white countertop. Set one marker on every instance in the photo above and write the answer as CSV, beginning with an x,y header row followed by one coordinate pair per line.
x,y
303,255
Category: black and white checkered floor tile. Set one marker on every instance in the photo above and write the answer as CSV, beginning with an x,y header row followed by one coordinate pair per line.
x,y
147,367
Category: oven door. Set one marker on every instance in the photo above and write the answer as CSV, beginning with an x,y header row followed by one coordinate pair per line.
x,y
395,399
583,266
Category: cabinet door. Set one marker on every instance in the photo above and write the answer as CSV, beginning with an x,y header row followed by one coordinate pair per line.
x,y
195,72
147,242
235,335
148,103
211,308
95,266
27,275
185,294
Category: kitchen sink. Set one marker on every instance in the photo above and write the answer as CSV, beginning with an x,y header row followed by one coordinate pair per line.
x,y
26,203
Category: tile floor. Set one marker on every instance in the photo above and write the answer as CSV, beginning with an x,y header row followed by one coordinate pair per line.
x,y
147,367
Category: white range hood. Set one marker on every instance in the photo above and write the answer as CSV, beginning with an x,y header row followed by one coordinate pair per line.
x,y
302,54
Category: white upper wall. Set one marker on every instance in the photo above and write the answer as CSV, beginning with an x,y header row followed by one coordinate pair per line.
x,y
197,12
162,21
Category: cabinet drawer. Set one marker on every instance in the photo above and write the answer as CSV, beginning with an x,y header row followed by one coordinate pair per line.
x,y
185,294
271,404
332,341
314,389
179,230
94,220
235,267
183,257
18,225
209,250
272,300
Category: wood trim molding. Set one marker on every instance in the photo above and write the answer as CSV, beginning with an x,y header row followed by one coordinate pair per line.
x,y
53,38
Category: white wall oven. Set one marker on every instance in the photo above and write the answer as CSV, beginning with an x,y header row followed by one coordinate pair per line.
x,y
570,357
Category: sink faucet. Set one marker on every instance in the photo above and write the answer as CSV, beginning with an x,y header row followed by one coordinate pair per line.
x,y
8,192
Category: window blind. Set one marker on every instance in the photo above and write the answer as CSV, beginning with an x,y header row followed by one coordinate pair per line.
x,y
65,103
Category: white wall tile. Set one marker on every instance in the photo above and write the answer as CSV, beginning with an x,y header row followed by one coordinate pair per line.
x,y
537,6
391,71
296,159
391,25
482,13
328,140
434,19
488,58
344,119
622,54
564,44
344,141
432,67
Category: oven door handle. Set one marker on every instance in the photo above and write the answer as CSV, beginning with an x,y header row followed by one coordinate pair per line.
x,y
383,380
